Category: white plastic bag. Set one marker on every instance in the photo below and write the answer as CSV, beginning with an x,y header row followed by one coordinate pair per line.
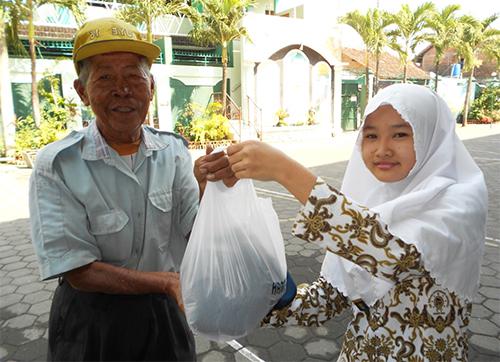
x,y
234,268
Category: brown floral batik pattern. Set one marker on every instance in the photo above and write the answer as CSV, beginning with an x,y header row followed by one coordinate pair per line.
x,y
417,320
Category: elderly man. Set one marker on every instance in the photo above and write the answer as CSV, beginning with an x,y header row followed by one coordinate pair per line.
x,y
112,207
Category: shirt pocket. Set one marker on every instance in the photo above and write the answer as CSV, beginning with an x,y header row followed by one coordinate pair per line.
x,y
107,228
161,217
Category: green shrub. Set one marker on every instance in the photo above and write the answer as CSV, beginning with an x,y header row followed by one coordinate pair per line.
x,y
202,126
57,117
282,114
486,107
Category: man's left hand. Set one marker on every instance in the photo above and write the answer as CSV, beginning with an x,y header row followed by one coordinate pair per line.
x,y
213,167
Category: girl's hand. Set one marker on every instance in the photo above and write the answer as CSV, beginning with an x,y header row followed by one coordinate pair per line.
x,y
256,160
259,161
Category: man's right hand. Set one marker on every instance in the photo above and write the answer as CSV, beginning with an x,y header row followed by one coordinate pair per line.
x,y
172,287
213,167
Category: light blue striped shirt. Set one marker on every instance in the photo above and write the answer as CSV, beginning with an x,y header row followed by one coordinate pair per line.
x,y
87,204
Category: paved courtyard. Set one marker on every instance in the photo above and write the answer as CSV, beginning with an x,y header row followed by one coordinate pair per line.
x,y
25,301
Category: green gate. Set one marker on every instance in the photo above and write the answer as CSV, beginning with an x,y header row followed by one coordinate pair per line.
x,y
350,106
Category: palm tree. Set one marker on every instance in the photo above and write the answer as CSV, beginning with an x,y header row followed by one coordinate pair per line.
x,y
371,28
140,12
25,10
409,32
476,37
218,23
444,26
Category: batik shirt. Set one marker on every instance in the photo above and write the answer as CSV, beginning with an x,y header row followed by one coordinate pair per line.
x,y
416,320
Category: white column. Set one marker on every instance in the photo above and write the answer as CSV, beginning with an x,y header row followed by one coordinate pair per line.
x,y
7,104
337,99
161,74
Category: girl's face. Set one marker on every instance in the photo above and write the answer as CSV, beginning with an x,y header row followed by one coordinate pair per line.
x,y
387,145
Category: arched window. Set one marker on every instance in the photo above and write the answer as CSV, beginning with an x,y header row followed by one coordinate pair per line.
x,y
296,69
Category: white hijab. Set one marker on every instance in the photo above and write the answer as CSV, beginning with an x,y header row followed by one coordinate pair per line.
x,y
440,207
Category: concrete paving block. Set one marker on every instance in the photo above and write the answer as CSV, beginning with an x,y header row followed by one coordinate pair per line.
x,y
261,353
479,311
10,299
3,353
17,309
495,266
263,337
313,246
24,246
320,258
30,350
30,258
307,253
26,279
216,356
40,308
333,329
21,321
490,281
493,255
202,344
483,326
43,318
4,246
489,344
20,273
14,266
492,304
10,259
294,248
322,348
490,292
7,289
37,297
8,253
33,334
26,252
30,288
287,351
496,319
299,334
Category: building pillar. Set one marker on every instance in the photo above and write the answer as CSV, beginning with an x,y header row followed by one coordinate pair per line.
x,y
162,82
7,116
337,99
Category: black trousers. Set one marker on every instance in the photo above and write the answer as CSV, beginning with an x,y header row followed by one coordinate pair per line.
x,y
101,327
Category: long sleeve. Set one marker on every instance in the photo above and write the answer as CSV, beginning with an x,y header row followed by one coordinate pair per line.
x,y
312,306
356,234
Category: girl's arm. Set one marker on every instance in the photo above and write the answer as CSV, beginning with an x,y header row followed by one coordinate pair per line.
x,y
343,227
312,306
357,234
259,161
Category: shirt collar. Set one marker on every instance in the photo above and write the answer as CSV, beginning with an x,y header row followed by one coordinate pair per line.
x,y
95,146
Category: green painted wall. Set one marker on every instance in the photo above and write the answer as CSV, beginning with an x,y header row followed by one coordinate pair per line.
x,y
182,94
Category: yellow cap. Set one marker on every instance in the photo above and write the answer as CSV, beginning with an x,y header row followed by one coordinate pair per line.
x,y
106,35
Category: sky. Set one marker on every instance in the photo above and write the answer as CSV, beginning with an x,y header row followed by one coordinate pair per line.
x,y
480,9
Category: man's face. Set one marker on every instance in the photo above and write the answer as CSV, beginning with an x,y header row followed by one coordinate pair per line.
x,y
119,91
387,146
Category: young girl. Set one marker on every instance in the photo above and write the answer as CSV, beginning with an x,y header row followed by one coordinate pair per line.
x,y
404,235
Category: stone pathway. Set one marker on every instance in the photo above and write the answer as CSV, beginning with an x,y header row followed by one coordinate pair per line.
x,y
25,301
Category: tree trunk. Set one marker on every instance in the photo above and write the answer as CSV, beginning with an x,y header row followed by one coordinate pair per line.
x,y
34,89
224,78
436,79
405,72
3,116
149,38
467,96
367,78
377,67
